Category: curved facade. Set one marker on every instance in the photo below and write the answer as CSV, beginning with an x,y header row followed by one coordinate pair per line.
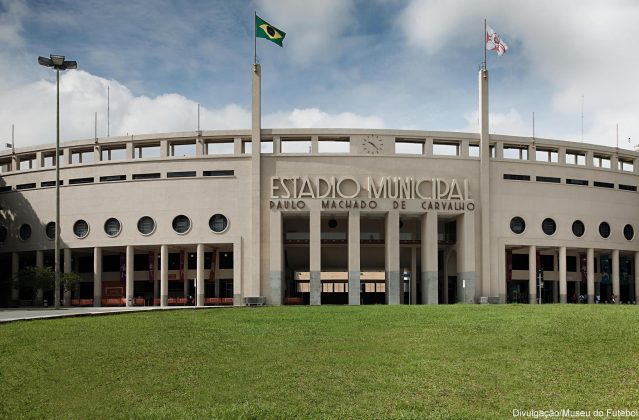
x,y
325,217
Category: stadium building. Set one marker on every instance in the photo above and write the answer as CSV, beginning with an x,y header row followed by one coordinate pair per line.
x,y
325,216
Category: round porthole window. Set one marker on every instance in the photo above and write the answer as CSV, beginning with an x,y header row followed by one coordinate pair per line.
x,y
49,230
112,227
3,233
517,225
81,229
218,223
332,223
549,226
25,232
146,225
578,228
181,224
604,229
628,232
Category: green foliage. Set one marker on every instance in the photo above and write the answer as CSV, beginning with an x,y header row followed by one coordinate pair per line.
x,y
449,361
69,280
36,278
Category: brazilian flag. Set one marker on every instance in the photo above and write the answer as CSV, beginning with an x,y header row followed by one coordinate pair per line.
x,y
264,30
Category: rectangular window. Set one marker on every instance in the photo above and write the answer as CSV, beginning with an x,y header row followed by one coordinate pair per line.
x,y
473,150
628,187
603,184
548,179
334,146
266,146
220,148
327,287
183,149
81,181
147,176
181,174
85,264
230,172
380,287
409,147
5,188
547,155
110,178
25,186
81,156
571,264
445,149
295,146
226,260
141,262
191,259
174,261
50,183
110,263
547,262
576,181
520,261
601,161
26,163
514,177
114,153
515,152
145,151
48,159
574,157
5,166
626,165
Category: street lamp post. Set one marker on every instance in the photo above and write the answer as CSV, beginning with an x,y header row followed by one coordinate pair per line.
x,y
58,63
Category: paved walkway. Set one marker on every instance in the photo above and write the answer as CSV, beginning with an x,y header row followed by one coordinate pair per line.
x,y
22,314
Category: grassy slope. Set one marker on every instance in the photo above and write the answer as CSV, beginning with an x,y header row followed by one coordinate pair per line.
x,y
379,361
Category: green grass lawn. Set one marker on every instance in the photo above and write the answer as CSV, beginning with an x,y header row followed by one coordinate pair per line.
x,y
375,361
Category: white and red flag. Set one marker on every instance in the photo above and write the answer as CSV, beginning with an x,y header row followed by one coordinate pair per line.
x,y
494,42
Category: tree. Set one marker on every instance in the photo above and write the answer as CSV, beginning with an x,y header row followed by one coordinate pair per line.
x,y
44,278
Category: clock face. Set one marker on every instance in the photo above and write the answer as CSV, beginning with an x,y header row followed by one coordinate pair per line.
x,y
372,144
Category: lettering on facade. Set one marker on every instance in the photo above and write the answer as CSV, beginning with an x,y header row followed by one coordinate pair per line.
x,y
436,194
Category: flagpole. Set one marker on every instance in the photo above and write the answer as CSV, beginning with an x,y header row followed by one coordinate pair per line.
x,y
255,39
484,43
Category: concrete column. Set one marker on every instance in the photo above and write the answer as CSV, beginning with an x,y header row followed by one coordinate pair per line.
x,y
276,275
354,268
590,274
488,287
466,258
614,165
97,154
253,287
315,247
430,270
555,292
237,146
164,149
39,292
130,252
635,270
216,276
130,150
199,289
314,145
15,288
463,149
413,275
392,258
97,276
67,269
532,274
164,275
615,274
238,278
200,147
563,285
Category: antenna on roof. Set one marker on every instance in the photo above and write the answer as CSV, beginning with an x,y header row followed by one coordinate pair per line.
x,y
108,110
95,128
198,120
533,125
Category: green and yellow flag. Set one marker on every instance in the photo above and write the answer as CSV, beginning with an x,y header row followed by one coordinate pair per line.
x,y
264,30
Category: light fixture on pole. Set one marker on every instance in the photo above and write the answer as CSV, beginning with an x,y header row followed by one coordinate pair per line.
x,y
58,63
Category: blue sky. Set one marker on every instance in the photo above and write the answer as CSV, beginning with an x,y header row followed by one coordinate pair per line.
x,y
405,64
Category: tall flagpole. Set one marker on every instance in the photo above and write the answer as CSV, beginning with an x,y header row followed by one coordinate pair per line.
x,y
250,286
484,44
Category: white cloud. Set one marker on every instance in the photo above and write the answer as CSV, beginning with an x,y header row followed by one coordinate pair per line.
x,y
578,47
314,118
510,123
312,27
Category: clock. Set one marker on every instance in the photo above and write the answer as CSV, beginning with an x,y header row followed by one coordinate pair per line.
x,y
372,144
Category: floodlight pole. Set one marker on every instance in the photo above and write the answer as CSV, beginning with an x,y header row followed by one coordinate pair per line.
x,y
58,63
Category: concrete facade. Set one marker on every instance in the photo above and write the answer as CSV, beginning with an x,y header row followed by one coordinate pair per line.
x,y
327,216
